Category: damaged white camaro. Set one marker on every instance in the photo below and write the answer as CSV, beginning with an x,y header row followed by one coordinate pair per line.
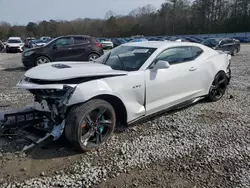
x,y
86,100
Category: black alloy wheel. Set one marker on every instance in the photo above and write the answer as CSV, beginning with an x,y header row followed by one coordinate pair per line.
x,y
90,125
218,87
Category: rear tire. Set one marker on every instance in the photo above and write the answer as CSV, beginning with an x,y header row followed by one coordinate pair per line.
x,y
91,124
93,57
218,87
234,52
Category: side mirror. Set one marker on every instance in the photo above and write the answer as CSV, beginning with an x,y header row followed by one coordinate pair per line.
x,y
161,64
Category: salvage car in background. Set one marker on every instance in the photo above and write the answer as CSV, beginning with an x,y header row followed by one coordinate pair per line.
x,y
14,44
87,100
231,46
64,48
106,43
36,43
27,40
117,42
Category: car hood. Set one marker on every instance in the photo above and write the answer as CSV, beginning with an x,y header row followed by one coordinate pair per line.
x,y
36,49
69,70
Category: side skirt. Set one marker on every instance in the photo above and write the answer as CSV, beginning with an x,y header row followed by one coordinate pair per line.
x,y
175,107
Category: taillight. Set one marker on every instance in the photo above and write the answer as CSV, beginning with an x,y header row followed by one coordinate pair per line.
x,y
99,45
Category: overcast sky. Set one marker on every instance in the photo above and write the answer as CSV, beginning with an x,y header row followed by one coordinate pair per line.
x,y
23,11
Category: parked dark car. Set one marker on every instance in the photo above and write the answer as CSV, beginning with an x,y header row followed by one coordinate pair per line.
x,y
231,46
27,40
118,42
64,48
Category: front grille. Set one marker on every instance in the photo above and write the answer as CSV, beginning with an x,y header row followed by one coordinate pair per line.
x,y
13,47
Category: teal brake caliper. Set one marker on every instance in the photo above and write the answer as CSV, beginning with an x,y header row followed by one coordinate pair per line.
x,y
101,128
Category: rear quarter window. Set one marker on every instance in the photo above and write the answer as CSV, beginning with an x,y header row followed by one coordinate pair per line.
x,y
196,51
80,40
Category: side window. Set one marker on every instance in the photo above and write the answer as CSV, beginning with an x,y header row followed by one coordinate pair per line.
x,y
64,42
225,41
80,40
231,41
196,51
176,55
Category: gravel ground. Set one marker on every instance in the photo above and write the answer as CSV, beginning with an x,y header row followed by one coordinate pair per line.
x,y
205,145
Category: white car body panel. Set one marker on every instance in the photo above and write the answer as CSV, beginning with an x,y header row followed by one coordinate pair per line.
x,y
142,92
78,69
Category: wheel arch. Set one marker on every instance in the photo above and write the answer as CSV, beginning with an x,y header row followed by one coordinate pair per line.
x,y
93,52
41,55
220,71
116,102
118,105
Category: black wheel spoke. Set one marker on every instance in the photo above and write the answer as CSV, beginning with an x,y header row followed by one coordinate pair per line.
x,y
220,91
223,81
88,120
85,138
214,92
216,81
98,138
106,123
101,112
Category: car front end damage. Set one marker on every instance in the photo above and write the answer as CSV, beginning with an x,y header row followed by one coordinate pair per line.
x,y
46,117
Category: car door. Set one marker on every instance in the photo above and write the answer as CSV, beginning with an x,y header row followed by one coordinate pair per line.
x,y
225,45
62,49
178,83
81,48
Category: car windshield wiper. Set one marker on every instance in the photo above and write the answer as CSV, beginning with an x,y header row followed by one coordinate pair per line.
x,y
107,58
123,66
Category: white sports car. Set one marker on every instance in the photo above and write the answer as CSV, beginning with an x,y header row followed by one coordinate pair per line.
x,y
87,100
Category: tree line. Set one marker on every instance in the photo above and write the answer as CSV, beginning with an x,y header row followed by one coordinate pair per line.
x,y
174,17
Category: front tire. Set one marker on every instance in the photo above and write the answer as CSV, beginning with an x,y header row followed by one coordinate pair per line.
x,y
91,124
218,88
41,60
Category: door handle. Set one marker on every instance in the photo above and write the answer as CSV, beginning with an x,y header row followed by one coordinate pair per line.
x,y
70,48
192,69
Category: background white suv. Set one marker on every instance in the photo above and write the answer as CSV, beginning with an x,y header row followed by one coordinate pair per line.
x,y
14,44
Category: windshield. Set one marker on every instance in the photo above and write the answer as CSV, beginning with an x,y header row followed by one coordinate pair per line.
x,y
127,58
51,42
211,42
123,41
39,41
14,41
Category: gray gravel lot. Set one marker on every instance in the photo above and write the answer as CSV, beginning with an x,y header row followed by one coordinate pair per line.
x,y
205,145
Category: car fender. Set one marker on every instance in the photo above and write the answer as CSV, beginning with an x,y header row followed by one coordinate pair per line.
x,y
85,91
217,63
132,97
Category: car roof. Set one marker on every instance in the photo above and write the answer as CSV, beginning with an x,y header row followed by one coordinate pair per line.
x,y
86,36
14,38
161,44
